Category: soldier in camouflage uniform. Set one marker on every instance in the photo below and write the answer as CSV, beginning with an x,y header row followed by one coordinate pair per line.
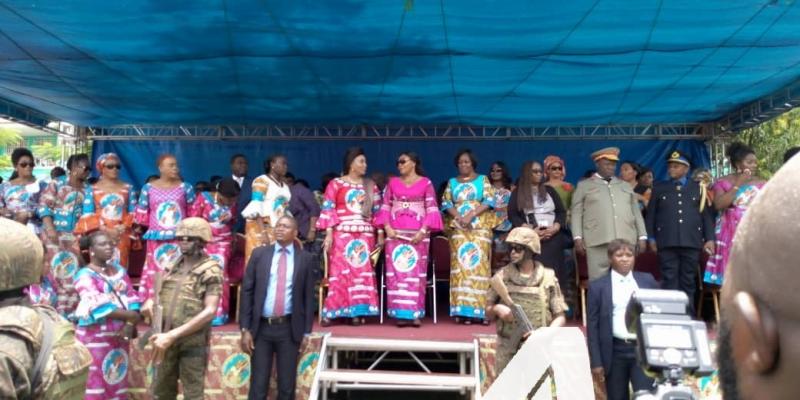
x,y
31,336
531,285
189,296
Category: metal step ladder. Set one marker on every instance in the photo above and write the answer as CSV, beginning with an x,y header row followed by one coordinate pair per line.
x,y
330,377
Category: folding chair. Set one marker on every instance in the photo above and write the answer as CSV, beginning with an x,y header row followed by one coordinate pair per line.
x,y
440,265
648,262
323,285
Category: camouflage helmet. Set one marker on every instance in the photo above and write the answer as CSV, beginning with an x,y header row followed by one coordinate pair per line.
x,y
194,227
21,254
526,237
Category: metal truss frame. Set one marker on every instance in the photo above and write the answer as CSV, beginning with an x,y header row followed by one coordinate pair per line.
x,y
762,110
398,132
35,119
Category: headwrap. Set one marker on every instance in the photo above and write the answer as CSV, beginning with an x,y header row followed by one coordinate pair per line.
x,y
101,161
550,160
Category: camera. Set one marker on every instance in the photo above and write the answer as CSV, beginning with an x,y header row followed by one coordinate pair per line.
x,y
670,345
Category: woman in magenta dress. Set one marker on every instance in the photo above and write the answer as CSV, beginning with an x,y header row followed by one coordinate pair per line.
x,y
347,217
107,312
733,195
162,204
408,214
218,207
60,208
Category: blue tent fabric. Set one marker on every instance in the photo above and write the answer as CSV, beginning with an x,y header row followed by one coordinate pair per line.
x,y
199,160
479,62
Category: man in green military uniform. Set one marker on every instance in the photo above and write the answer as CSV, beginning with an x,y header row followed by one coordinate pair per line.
x,y
189,295
530,285
31,335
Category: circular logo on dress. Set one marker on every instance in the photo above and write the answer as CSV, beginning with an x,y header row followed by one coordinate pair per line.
x,y
112,206
70,200
168,214
354,200
469,255
236,370
166,255
279,205
115,366
16,196
219,216
357,253
404,258
64,265
464,192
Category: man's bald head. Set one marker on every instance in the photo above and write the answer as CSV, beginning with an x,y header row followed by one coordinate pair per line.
x,y
759,338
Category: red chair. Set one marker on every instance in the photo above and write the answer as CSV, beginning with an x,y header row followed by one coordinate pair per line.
x,y
440,266
648,262
581,280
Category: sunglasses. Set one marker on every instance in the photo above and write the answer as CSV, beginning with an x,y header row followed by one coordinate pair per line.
x,y
26,165
517,248
556,168
113,166
401,162
496,171
82,167
536,171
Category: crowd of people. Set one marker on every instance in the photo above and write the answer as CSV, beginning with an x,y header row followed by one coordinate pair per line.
x,y
523,228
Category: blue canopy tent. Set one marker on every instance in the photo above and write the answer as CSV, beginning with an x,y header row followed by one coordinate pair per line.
x,y
164,70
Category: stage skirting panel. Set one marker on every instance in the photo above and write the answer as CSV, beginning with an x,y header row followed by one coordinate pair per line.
x,y
310,159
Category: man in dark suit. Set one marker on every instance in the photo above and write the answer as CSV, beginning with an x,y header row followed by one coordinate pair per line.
x,y
679,225
612,349
239,174
277,309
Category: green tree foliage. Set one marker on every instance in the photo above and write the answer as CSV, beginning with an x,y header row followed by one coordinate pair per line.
x,y
771,139
48,152
8,137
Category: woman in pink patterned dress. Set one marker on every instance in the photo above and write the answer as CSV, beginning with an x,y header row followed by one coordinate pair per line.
x,y
162,204
218,207
347,218
60,208
733,195
408,214
109,206
107,312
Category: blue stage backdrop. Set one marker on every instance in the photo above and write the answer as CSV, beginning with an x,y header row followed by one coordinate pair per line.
x,y
310,159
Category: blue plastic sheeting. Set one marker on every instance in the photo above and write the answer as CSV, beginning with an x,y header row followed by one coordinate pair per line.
x,y
481,62
199,160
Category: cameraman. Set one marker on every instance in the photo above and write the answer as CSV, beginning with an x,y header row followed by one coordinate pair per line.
x,y
758,353
612,349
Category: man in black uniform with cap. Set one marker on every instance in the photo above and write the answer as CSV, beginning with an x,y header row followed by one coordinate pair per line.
x,y
679,225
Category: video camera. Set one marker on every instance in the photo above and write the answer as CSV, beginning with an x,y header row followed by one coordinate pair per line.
x,y
670,345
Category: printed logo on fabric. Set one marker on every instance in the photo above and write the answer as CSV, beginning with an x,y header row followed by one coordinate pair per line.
x,y
469,255
463,192
354,200
404,258
112,206
236,370
115,366
166,254
168,214
356,252
64,265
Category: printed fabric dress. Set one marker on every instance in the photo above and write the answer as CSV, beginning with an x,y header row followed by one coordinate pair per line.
x,y
726,225
269,201
64,204
26,198
223,221
470,247
407,209
160,210
351,275
501,199
108,210
99,296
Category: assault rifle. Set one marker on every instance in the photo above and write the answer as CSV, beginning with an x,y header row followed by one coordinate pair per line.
x,y
523,325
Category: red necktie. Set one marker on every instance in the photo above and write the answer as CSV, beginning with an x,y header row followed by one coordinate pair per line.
x,y
280,295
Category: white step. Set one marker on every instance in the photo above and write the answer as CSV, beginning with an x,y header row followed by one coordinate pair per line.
x,y
365,344
398,378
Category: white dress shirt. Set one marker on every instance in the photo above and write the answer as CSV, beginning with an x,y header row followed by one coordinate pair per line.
x,y
622,287
272,288
238,179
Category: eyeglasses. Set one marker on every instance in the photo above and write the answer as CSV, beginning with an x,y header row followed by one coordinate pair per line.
x,y
113,166
556,168
517,248
26,165
401,162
